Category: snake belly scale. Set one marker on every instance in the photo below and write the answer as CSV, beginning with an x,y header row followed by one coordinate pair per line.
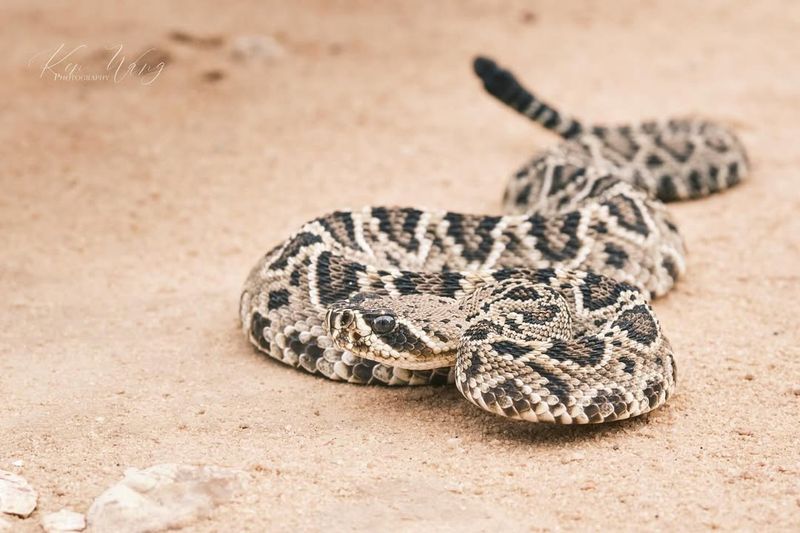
x,y
542,314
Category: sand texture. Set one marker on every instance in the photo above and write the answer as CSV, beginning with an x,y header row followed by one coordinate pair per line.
x,y
132,210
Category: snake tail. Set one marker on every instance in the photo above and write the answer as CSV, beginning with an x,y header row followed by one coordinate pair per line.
x,y
504,86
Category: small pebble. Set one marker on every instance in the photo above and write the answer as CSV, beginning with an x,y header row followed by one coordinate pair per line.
x,y
257,47
527,17
19,463
213,75
184,37
456,488
796,389
16,496
572,458
63,521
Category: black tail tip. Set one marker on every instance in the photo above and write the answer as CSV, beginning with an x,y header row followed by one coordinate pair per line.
x,y
484,67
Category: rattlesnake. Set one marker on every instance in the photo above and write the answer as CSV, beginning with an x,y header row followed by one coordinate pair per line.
x,y
542,314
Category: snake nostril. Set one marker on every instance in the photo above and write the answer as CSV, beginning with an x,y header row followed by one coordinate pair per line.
x,y
346,318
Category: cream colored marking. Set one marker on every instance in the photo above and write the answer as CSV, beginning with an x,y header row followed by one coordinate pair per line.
x,y
498,246
358,230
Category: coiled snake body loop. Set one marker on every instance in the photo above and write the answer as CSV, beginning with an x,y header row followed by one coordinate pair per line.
x,y
541,314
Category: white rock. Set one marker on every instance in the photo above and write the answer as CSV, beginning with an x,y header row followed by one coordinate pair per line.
x,y
165,496
63,521
16,496
19,463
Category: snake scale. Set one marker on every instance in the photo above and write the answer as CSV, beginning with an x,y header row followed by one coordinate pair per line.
x,y
541,314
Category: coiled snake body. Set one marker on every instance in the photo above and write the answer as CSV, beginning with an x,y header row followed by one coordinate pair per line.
x,y
542,314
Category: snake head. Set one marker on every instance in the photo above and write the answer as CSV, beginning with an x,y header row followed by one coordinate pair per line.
x,y
412,331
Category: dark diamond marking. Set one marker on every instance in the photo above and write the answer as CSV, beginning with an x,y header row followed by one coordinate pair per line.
x,y
585,352
616,256
638,323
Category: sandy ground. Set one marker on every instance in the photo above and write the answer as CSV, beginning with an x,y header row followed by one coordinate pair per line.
x,y
131,213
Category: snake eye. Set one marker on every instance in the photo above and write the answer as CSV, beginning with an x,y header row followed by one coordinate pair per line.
x,y
383,324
